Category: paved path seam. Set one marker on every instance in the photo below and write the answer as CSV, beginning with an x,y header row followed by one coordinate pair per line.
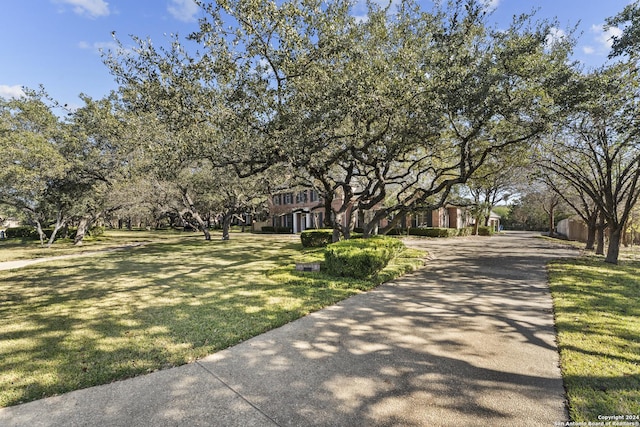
x,y
237,393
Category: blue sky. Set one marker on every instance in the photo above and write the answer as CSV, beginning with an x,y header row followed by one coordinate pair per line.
x,y
56,43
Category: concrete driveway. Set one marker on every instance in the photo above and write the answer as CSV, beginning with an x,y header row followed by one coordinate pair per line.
x,y
467,341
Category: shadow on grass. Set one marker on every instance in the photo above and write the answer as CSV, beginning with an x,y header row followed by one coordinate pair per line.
x,y
430,345
598,335
77,323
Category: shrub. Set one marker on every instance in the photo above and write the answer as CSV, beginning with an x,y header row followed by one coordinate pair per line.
x,y
316,238
398,232
361,258
270,229
434,232
485,231
465,231
21,233
96,231
30,233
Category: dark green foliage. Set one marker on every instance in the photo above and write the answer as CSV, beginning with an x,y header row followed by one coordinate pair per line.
x,y
270,229
398,232
485,231
465,231
440,232
30,233
361,258
433,232
96,231
316,238
21,233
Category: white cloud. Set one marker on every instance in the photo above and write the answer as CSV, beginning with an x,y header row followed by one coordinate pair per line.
x,y
11,91
183,10
556,35
492,4
91,8
604,37
104,47
589,50
98,46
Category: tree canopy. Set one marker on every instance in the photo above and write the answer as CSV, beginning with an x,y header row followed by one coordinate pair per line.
x,y
382,115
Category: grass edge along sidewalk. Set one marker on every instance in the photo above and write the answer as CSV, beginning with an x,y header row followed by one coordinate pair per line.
x,y
80,322
598,326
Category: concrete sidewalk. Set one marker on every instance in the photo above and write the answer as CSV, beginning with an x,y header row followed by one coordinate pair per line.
x,y
467,341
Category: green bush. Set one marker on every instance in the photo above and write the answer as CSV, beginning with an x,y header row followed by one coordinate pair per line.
x,y
316,238
270,229
398,232
21,233
433,232
96,231
485,231
465,231
30,233
361,258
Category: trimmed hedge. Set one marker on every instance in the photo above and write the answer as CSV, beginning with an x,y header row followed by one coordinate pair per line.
x,y
270,229
398,232
27,232
361,258
433,232
465,231
21,233
440,232
95,231
316,238
485,231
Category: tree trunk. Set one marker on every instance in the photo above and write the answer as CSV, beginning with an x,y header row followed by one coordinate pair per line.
x,y
592,228
203,225
613,250
552,223
188,203
59,224
82,231
373,225
600,234
391,225
41,234
226,225
369,228
337,228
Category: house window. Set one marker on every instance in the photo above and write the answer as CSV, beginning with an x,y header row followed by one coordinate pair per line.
x,y
288,220
276,199
288,199
313,195
301,197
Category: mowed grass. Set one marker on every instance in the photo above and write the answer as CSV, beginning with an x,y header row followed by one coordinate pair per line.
x,y
79,322
597,308
16,249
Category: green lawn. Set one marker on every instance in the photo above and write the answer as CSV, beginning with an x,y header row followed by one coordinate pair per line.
x,y
79,322
15,249
597,309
